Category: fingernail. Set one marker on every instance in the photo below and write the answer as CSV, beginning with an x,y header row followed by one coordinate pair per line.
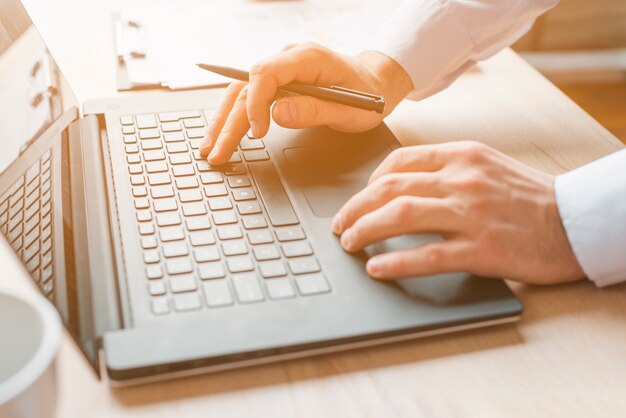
x,y
336,225
254,127
346,240
374,267
286,111
212,155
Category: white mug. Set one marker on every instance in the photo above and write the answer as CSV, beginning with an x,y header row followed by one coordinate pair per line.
x,y
30,333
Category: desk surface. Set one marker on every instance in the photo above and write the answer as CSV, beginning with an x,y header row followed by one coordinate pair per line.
x,y
565,357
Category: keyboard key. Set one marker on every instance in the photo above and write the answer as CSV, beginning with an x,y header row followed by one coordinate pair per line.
x,y
183,170
30,225
229,232
146,229
254,222
198,223
168,219
211,177
33,264
142,203
214,190
297,249
195,143
245,193
156,166
146,121
158,179
196,133
176,147
210,271
270,269
175,249
46,233
181,284
165,205
193,209
265,252
273,194
151,144
157,287
256,155
127,120
234,169
32,173
262,236
135,169
235,158
247,208
130,139
171,127
238,181
31,251
173,233
133,159
240,263
220,203
154,271
251,144
137,180
30,238
247,288
224,217
202,238
312,284
190,195
217,293
159,192
180,159
174,137
46,246
148,243
290,234
237,247
198,157
193,123
144,215
151,256
178,266
148,134
203,165
156,155
131,149
204,254
279,288
126,130
174,116
159,305
303,265
186,182
140,191
187,302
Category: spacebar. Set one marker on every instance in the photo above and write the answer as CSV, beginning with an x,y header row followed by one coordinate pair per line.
x,y
273,194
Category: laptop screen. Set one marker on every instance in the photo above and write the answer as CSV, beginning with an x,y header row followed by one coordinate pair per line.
x,y
33,92
33,95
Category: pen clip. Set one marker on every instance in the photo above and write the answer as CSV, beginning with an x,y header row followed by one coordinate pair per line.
x,y
358,93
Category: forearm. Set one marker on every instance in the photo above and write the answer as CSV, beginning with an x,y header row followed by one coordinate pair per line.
x,y
435,41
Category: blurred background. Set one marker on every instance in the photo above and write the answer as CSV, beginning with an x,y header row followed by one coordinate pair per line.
x,y
581,47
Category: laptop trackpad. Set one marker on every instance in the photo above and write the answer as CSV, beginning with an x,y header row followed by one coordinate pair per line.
x,y
330,175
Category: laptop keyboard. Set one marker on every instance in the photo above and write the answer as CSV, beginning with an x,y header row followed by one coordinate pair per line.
x,y
26,221
212,236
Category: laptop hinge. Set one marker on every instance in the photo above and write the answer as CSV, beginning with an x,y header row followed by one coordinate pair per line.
x,y
94,260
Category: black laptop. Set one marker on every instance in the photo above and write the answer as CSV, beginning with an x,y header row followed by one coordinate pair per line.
x,y
172,266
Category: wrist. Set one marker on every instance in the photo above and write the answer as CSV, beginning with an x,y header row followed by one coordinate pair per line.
x,y
390,79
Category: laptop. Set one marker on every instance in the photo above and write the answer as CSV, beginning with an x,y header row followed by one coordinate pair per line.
x,y
162,265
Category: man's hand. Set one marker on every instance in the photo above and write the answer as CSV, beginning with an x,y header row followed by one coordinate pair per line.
x,y
247,105
498,217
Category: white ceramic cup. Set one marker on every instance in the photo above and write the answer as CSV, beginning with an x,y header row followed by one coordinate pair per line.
x,y
30,333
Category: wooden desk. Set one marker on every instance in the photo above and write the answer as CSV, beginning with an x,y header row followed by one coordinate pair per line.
x,y
565,357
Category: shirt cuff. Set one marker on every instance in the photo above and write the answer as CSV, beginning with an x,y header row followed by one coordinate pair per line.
x,y
592,205
428,42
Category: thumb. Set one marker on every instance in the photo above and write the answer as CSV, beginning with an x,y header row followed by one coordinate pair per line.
x,y
305,111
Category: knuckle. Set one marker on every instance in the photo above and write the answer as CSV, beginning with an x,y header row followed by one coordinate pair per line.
x,y
433,257
470,182
243,94
473,152
403,208
258,69
396,158
386,185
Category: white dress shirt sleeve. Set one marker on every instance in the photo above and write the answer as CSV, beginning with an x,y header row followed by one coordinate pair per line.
x,y
435,41
592,205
